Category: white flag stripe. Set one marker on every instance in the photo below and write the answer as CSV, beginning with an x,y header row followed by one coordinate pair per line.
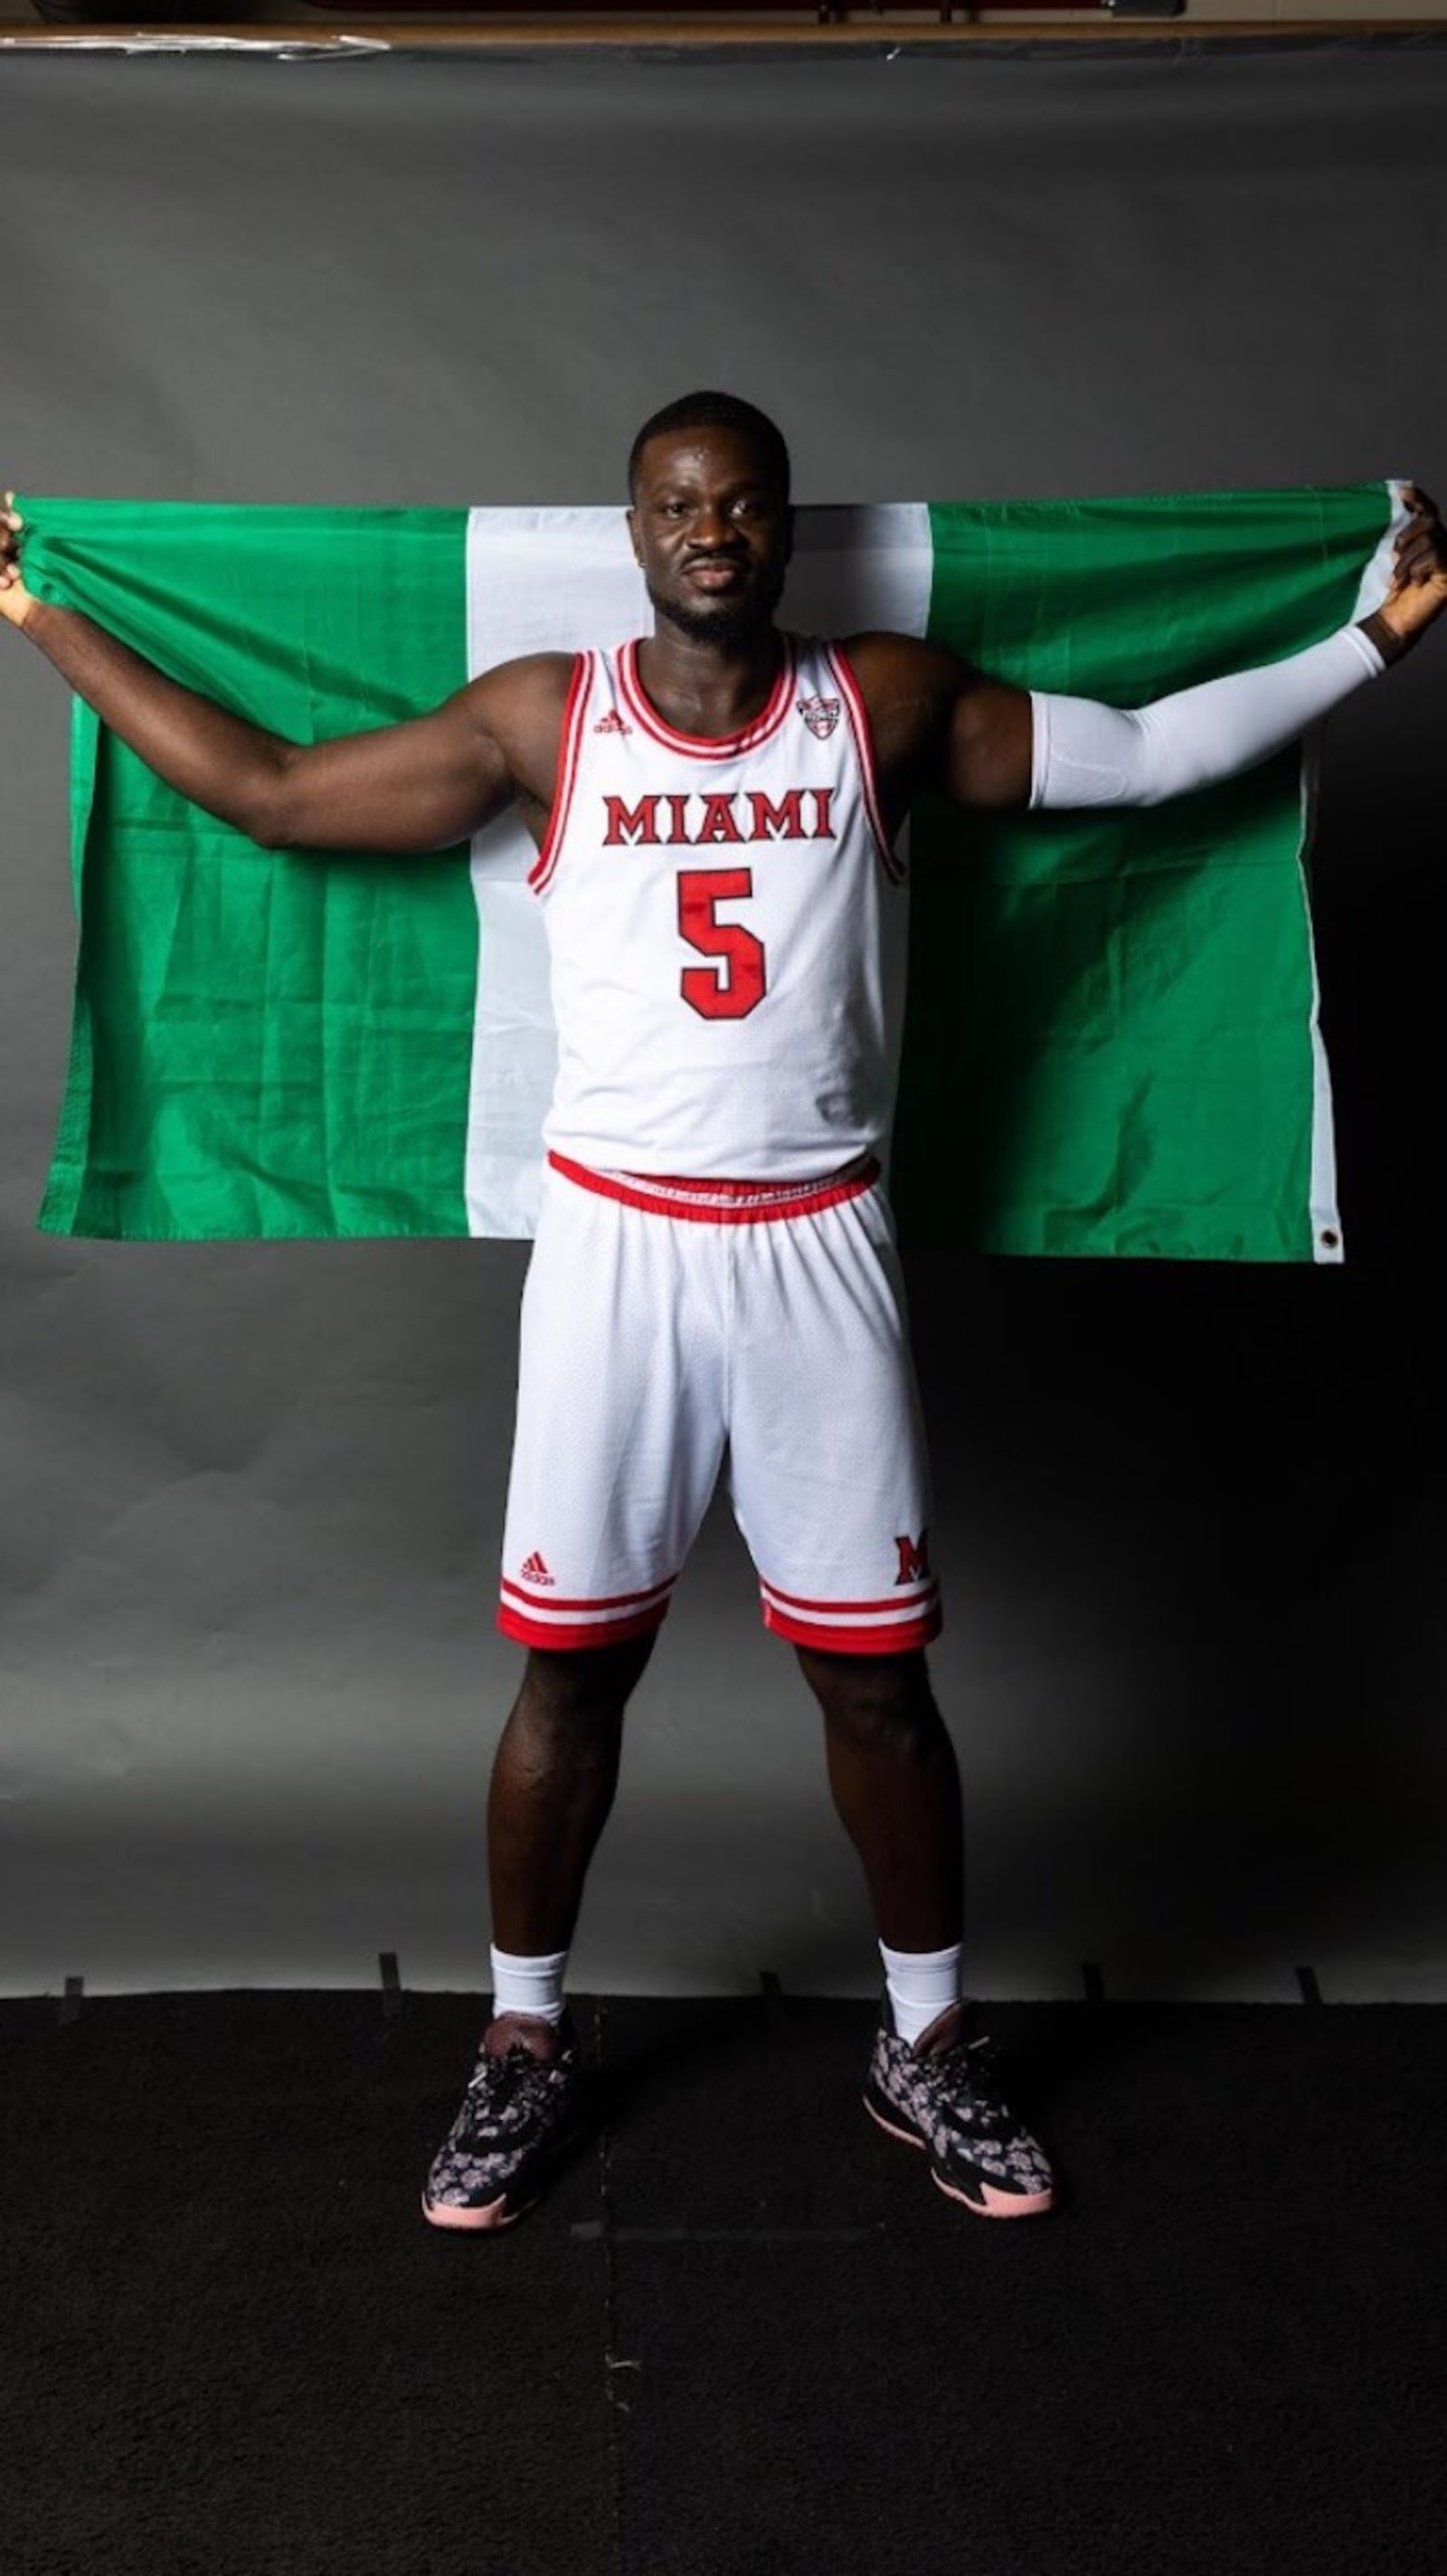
x,y
1326,1233
855,569
1376,578
514,1058
557,581
1326,1229
537,581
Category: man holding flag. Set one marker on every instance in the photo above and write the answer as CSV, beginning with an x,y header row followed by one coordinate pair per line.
x,y
717,810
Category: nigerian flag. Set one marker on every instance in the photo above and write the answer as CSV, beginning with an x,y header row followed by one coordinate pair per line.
x,y
1111,1040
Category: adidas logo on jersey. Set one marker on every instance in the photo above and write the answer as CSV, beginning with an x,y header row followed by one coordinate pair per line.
x,y
612,722
534,1570
821,715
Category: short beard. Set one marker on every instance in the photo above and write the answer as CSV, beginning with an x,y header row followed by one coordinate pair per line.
x,y
732,622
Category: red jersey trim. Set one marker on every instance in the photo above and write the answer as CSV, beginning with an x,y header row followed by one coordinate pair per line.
x,y
763,1204
844,1640
542,872
864,752
708,746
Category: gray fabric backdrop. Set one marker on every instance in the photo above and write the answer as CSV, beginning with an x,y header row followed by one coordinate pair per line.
x,y
253,1496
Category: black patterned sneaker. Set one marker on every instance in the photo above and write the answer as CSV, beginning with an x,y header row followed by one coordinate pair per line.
x,y
519,2111
940,2093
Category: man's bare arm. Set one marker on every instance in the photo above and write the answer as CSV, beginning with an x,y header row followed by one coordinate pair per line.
x,y
417,786
936,722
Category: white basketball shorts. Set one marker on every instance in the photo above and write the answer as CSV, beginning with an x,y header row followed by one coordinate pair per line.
x,y
669,1326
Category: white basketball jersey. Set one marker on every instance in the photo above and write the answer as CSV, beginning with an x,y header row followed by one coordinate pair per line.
x,y
726,921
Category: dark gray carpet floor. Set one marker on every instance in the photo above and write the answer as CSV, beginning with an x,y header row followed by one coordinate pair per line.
x,y
744,2335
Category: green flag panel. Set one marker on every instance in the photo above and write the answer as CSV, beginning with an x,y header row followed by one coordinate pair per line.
x,y
1110,1013
265,1043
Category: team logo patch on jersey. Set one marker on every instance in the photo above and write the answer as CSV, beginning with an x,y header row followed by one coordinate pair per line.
x,y
612,722
821,715
534,1570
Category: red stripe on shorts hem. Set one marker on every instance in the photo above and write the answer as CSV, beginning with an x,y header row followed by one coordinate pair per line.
x,y
597,1632
808,1201
924,1595
842,1640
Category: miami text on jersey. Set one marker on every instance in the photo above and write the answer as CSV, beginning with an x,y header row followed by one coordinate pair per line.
x,y
738,814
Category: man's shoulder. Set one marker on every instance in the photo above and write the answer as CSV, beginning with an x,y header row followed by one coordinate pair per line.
x,y
520,706
885,644
892,669
528,671
531,686
910,687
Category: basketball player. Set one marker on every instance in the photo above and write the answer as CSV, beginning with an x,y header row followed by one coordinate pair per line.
x,y
716,809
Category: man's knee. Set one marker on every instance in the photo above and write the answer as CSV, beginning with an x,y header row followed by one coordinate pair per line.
x,y
579,1684
872,1696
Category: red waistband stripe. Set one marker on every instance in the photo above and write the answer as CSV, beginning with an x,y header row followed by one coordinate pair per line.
x,y
722,1202
726,1190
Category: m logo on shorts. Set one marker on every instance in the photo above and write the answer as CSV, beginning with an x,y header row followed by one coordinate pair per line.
x,y
534,1570
914,1559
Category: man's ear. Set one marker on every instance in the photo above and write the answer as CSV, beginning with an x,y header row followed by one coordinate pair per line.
x,y
632,518
789,533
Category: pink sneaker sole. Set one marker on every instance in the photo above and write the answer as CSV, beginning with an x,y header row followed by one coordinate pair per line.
x,y
495,2213
995,2204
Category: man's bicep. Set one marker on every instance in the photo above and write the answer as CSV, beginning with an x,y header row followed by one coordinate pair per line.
x,y
987,744
938,722
418,786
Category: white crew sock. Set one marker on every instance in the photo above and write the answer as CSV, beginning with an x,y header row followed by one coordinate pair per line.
x,y
921,1983
528,1985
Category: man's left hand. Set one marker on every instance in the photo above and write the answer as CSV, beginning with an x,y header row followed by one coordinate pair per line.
x,y
1419,579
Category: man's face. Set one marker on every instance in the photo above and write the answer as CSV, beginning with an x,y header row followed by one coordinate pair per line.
x,y
712,532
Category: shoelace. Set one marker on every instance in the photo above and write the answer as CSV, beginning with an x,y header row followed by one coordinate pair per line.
x,y
501,2079
991,2112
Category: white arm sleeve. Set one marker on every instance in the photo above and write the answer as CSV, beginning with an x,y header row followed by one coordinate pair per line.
x,y
1088,754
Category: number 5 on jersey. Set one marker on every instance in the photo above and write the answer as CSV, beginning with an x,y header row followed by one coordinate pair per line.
x,y
729,989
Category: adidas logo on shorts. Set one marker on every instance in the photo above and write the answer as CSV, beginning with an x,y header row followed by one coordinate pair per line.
x,y
534,1570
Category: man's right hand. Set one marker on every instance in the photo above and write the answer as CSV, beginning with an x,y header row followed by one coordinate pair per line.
x,y
16,602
